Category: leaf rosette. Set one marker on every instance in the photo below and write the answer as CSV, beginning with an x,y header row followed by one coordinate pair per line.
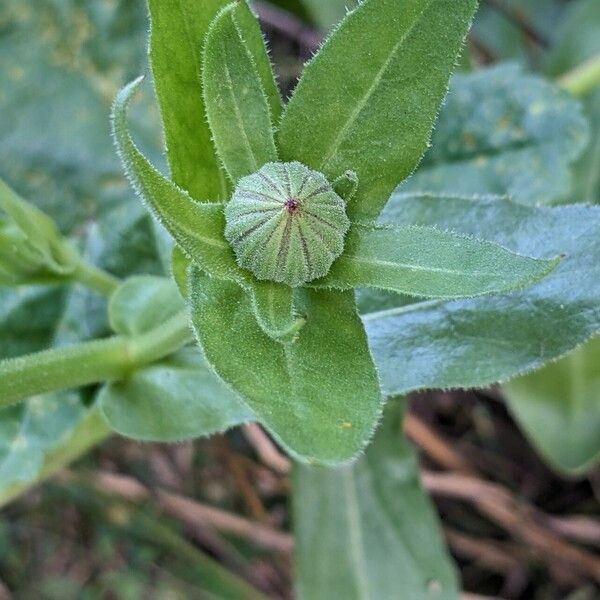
x,y
270,272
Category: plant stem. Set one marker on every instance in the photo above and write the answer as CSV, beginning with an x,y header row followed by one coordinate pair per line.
x,y
583,78
96,279
89,362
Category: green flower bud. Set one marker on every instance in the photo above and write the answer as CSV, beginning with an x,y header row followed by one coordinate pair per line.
x,y
286,224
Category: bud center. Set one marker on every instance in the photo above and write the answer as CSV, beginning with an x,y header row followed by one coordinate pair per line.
x,y
292,205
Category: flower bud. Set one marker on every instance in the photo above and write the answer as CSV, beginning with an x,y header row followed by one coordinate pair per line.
x,y
286,224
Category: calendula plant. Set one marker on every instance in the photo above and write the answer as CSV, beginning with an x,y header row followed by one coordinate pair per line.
x,y
308,289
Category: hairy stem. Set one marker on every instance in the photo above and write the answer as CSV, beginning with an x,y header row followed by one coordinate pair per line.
x,y
89,362
583,78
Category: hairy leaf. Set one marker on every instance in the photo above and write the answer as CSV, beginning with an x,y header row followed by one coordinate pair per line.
x,y
178,28
504,132
368,100
427,262
319,396
236,104
175,400
559,409
470,343
368,531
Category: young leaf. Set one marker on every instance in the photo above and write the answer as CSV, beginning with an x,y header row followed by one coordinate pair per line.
x,y
39,233
236,104
472,343
319,395
177,30
427,262
558,409
368,531
143,302
198,227
249,29
368,100
175,400
503,132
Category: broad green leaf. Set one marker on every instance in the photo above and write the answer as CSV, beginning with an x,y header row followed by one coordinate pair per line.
x,y
504,132
368,100
427,262
319,396
368,531
236,104
175,400
471,343
177,31
578,41
559,409
142,303
198,228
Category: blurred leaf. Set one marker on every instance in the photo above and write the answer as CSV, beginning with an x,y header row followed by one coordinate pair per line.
x,y
326,14
559,409
60,64
503,34
178,399
29,430
507,133
300,390
579,40
368,530
356,99
50,432
472,343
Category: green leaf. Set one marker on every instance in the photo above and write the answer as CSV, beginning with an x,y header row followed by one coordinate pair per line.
x,y
319,396
175,400
178,28
236,104
370,107
198,228
558,407
427,262
368,531
472,343
142,303
504,132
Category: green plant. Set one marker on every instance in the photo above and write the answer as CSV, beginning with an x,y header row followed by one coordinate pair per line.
x,y
453,290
